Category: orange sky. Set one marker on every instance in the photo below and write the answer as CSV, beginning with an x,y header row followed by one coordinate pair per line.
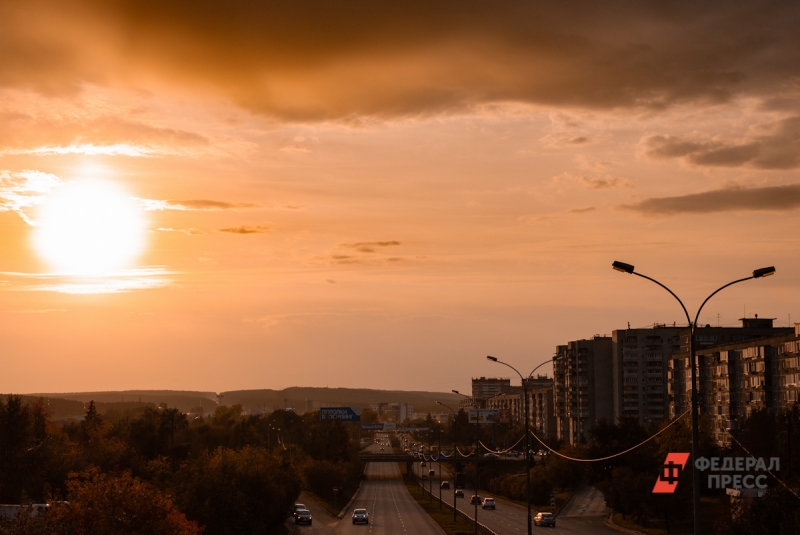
x,y
373,194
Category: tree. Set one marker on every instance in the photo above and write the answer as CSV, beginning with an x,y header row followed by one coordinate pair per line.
x,y
100,504
237,492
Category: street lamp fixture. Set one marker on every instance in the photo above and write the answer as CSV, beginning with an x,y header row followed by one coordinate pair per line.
x,y
757,274
527,432
455,466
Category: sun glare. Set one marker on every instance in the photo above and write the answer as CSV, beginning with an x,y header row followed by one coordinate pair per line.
x,y
89,227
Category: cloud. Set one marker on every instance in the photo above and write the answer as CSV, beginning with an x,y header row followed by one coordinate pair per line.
x,y
354,58
187,231
195,205
87,130
246,230
594,182
370,246
772,198
606,183
774,145
20,191
582,210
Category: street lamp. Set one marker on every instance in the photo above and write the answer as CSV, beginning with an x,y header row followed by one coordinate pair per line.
x,y
455,453
527,434
477,439
757,274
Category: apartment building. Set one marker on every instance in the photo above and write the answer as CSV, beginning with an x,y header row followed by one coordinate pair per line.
x,y
485,387
737,378
541,413
640,359
708,337
582,387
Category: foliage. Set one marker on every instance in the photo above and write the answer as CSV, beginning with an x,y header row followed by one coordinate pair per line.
x,y
100,504
231,492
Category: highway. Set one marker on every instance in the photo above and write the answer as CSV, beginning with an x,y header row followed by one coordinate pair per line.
x,y
585,514
392,510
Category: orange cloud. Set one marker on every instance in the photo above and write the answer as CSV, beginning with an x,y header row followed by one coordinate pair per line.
x,y
338,60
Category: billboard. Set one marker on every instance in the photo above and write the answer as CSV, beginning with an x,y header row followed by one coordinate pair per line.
x,y
372,427
489,416
347,414
379,427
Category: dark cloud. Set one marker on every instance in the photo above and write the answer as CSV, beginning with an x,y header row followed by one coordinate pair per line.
x,y
605,183
341,59
205,204
246,230
770,146
582,210
774,198
369,247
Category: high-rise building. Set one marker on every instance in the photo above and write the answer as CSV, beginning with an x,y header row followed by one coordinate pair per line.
x,y
736,379
582,387
541,413
640,360
485,387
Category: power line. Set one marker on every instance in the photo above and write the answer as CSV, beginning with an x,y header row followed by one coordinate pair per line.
x,y
616,454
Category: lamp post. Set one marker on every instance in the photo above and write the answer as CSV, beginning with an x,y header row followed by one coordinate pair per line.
x,y
757,274
477,439
455,453
527,434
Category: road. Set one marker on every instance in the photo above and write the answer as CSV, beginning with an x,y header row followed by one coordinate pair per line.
x,y
392,510
585,514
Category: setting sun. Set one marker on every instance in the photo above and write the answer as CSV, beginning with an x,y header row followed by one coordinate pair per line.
x,y
89,227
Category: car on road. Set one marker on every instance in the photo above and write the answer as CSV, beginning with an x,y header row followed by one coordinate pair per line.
x,y
382,448
514,454
488,503
545,519
424,477
491,456
298,507
423,463
445,485
459,493
303,516
475,499
360,515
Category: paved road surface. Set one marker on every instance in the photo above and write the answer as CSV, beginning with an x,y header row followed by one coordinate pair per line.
x,y
586,513
392,510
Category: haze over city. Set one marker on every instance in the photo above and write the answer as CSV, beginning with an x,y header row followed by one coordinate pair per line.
x,y
363,194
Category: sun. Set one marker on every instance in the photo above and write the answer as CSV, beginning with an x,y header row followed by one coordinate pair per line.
x,y
89,227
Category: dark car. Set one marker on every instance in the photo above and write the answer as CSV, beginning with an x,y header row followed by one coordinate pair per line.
x,y
360,515
488,503
298,507
459,493
445,485
475,499
545,519
303,516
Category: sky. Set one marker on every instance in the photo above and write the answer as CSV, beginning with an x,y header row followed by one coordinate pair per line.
x,y
216,196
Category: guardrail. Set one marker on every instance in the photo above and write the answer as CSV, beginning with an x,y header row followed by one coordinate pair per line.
x,y
483,529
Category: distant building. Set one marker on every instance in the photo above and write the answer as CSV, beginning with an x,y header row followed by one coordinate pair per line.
x,y
582,387
541,413
485,387
394,412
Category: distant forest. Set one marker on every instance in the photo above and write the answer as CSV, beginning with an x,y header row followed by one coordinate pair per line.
x,y
73,404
